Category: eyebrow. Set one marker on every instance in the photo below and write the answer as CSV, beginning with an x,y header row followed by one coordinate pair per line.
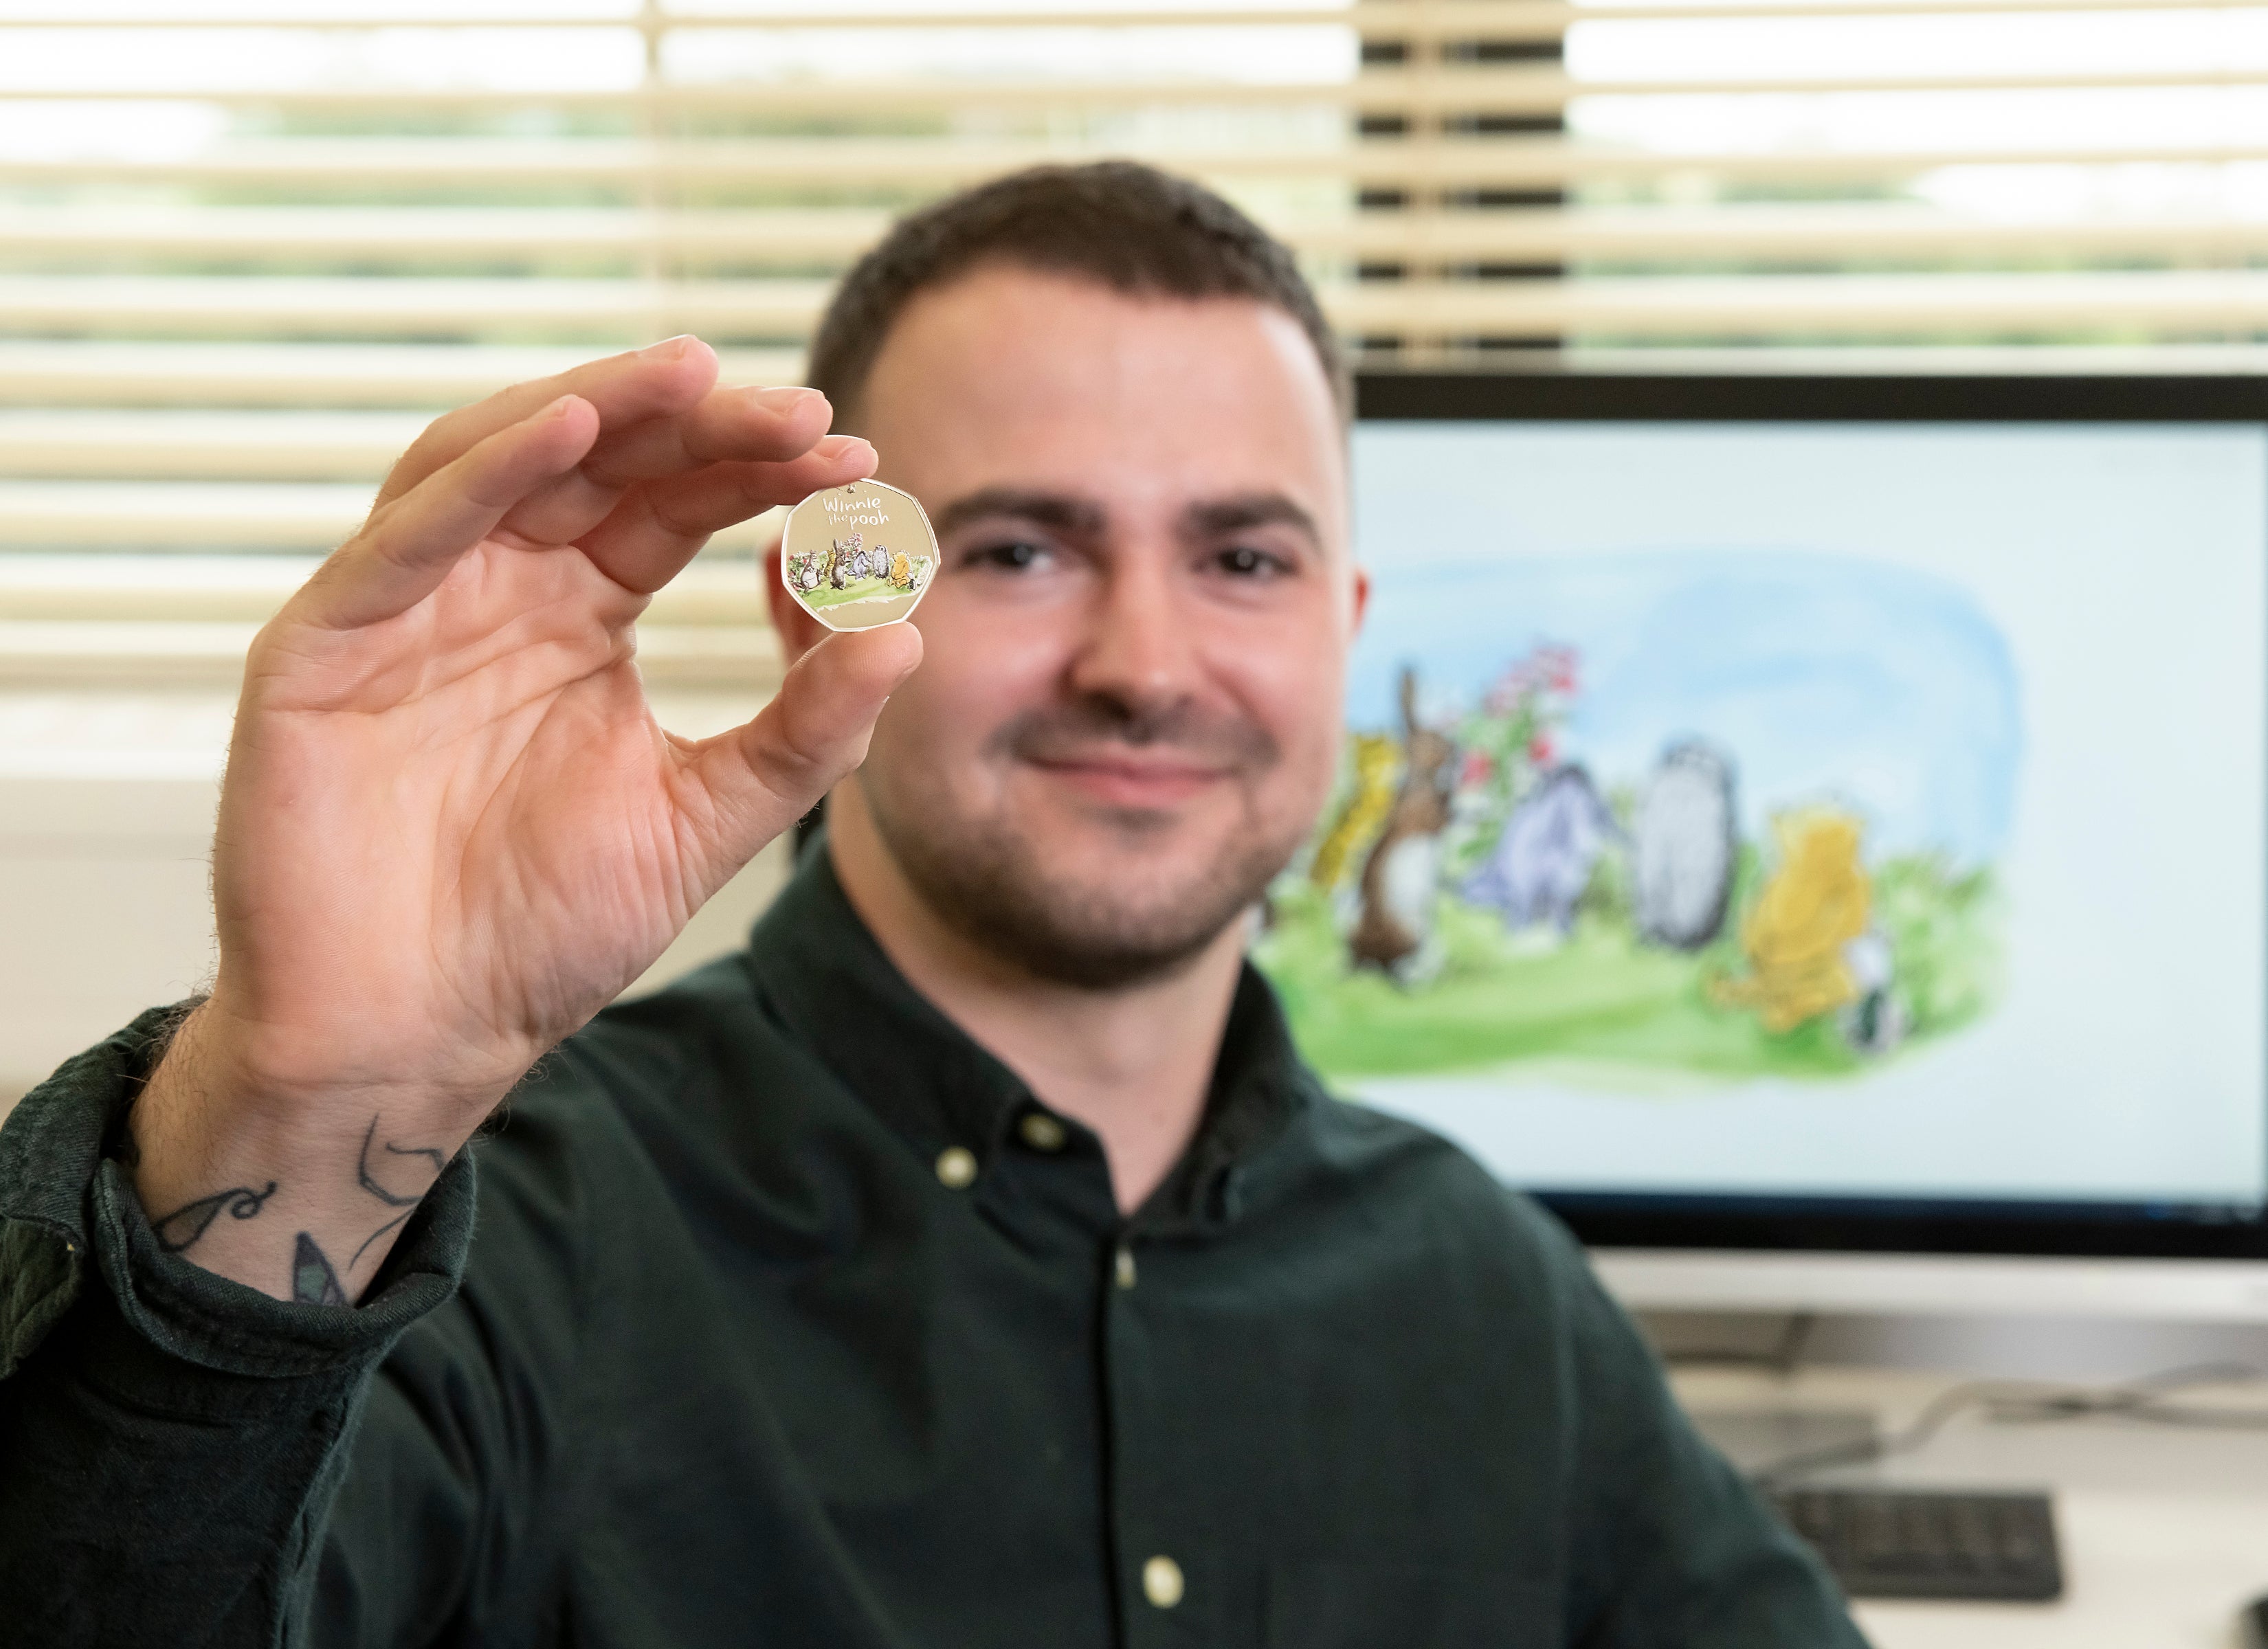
x,y
1219,517
1058,511
1082,517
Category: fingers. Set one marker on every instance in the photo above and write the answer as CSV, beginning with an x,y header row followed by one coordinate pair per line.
x,y
658,528
407,545
759,779
664,378
730,425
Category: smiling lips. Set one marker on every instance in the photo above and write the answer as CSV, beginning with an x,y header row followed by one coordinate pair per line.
x,y
1129,779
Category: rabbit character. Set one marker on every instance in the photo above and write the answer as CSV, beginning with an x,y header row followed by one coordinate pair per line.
x,y
1400,878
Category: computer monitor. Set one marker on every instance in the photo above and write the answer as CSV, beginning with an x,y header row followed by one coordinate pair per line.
x,y
1796,825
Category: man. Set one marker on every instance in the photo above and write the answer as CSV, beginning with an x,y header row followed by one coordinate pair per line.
x,y
971,1261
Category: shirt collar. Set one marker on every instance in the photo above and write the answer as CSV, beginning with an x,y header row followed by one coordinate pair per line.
x,y
833,990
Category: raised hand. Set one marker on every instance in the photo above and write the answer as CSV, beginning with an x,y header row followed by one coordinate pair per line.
x,y
451,829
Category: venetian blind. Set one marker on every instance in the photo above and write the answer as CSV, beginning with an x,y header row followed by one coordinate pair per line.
x,y
248,248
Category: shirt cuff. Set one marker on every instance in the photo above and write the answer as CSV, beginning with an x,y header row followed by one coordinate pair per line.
x,y
64,1203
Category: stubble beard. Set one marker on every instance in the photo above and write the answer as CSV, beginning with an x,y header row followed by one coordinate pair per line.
x,y
988,880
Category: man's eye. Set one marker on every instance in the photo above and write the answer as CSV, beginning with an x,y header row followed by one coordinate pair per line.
x,y
1014,555
1244,562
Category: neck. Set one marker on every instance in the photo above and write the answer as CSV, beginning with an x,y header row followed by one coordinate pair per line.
x,y
1132,1064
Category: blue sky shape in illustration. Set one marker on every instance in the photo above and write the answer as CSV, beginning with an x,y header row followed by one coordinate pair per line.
x,y
1878,687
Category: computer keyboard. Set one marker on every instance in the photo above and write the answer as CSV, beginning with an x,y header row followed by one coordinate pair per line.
x,y
1913,1543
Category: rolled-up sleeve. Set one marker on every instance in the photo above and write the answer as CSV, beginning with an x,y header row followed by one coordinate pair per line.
x,y
170,1441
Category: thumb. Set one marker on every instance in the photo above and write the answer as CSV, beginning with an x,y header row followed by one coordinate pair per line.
x,y
762,776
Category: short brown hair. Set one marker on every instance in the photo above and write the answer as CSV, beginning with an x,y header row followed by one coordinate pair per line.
x,y
1127,226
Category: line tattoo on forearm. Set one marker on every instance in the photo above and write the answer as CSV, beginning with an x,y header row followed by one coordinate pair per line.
x,y
182,1228
407,1204
393,1199
313,1282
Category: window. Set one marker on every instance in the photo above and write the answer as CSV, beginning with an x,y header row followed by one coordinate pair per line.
x,y
248,248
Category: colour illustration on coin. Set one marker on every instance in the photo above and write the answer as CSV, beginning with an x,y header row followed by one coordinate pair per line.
x,y
857,555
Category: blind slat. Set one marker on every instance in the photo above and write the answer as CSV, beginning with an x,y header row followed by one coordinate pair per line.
x,y
267,306
788,308
1526,88
1540,89
178,653
1427,20
203,444
247,589
2179,301
414,235
1387,163
243,373
196,515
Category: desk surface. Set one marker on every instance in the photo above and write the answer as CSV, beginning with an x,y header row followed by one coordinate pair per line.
x,y
2164,1530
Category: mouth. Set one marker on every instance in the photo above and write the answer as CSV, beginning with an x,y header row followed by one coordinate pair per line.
x,y
1129,781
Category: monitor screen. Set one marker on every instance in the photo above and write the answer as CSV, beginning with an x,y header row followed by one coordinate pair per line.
x,y
1807,825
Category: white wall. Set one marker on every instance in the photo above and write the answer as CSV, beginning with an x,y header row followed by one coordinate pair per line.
x,y
104,873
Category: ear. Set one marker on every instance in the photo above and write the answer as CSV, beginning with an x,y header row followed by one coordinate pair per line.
x,y
798,631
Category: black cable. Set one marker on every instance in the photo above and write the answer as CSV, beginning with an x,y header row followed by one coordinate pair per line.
x,y
2036,1403
2143,1399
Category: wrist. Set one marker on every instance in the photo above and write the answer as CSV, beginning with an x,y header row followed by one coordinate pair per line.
x,y
279,1079
293,1190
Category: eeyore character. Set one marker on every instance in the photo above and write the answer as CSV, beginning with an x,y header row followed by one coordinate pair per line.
x,y
1688,847
1542,862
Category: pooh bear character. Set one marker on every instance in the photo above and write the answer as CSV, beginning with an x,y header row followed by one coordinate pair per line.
x,y
1798,932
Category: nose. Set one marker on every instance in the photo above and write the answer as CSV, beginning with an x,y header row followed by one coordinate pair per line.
x,y
1140,648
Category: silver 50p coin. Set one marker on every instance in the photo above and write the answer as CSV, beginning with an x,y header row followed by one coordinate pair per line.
x,y
859,556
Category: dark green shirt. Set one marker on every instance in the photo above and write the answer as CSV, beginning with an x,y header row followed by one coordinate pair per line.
x,y
721,1354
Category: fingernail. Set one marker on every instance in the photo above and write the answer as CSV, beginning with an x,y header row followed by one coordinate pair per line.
x,y
835,448
557,408
786,400
668,349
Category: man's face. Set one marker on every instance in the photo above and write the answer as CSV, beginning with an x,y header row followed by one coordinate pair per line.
x,y
1127,714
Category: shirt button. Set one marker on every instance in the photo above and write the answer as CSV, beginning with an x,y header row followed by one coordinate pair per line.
x,y
956,1168
1125,1266
1040,1131
1162,1581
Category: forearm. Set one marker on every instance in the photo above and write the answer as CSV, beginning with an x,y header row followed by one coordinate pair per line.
x,y
301,1196
169,1441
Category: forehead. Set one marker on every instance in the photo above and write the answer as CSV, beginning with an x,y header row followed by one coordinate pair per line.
x,y
1012,377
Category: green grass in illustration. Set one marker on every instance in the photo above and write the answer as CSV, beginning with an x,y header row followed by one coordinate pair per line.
x,y
1603,1005
857,589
